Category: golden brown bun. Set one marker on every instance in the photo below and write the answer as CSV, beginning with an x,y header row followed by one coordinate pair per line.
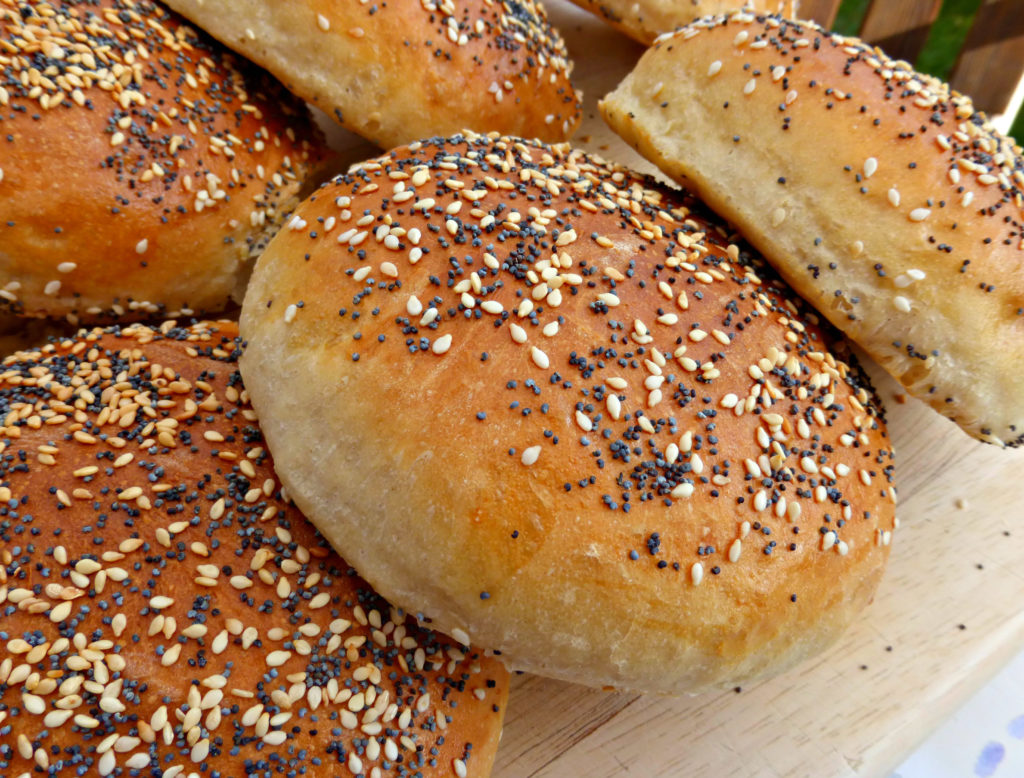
x,y
140,168
521,477
881,196
394,72
166,608
644,20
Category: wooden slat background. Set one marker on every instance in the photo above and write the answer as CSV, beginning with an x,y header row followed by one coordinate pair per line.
x,y
900,27
990,63
992,59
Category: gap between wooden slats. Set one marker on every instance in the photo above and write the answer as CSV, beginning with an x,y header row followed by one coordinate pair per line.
x,y
899,27
822,11
991,61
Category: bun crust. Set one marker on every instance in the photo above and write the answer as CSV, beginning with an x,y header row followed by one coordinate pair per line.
x,y
141,165
645,20
543,401
166,608
878,193
395,72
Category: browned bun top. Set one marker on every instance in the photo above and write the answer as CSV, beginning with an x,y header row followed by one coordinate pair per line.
x,y
394,72
644,20
141,164
165,608
546,402
878,192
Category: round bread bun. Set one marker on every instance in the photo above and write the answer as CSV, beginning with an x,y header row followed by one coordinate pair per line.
x,y
883,197
166,608
645,20
394,72
545,402
141,165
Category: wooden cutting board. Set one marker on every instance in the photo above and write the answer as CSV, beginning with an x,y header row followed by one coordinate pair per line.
x,y
946,618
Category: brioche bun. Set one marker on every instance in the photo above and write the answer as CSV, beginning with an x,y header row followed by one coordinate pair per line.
x,y
394,72
167,610
645,20
546,403
142,165
881,195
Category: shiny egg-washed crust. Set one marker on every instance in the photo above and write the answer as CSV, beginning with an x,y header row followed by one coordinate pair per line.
x,y
142,165
881,195
644,20
165,608
544,402
395,72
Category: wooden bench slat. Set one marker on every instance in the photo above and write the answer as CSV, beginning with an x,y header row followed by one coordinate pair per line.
x,y
991,61
899,27
822,11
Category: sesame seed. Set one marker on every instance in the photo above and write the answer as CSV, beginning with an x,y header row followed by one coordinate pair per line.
x,y
492,307
530,456
870,167
894,197
919,214
682,491
697,573
323,22
277,658
901,303
584,421
750,86
828,540
735,549
290,313
442,344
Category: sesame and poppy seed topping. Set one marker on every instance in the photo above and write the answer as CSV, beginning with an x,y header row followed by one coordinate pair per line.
x,y
164,608
883,196
394,72
644,20
569,389
125,136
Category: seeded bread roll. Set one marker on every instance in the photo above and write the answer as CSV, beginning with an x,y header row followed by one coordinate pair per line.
x,y
878,193
544,402
644,20
140,168
165,608
394,72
